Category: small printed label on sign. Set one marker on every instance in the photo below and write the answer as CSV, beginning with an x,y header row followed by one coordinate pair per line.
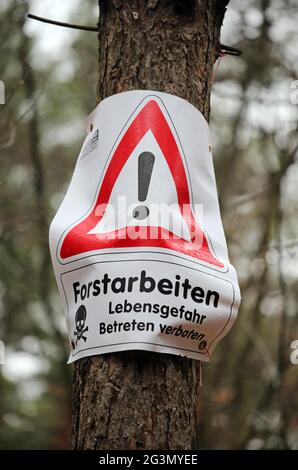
x,y
91,144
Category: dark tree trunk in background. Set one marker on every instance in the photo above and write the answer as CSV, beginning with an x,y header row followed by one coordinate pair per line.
x,y
140,400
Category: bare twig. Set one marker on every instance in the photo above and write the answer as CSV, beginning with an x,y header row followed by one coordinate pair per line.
x,y
63,24
223,47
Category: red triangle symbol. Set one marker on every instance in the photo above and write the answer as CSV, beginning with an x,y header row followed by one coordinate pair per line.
x,y
78,239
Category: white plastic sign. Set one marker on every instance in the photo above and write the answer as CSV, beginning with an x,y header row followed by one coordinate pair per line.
x,y
137,245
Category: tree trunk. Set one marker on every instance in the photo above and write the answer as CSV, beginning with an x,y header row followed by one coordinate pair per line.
x,y
141,400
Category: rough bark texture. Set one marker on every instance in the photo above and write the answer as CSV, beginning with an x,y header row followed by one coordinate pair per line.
x,y
139,400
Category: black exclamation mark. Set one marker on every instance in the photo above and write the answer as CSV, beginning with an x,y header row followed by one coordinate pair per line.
x,y
145,167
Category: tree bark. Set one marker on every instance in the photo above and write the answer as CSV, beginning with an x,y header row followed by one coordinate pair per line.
x,y
140,400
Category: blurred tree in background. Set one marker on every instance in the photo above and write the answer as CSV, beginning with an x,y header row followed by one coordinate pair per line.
x,y
250,389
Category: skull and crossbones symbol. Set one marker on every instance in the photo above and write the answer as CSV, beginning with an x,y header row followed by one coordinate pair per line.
x,y
80,320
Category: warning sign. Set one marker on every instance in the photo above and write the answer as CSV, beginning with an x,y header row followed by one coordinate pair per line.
x,y
137,245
